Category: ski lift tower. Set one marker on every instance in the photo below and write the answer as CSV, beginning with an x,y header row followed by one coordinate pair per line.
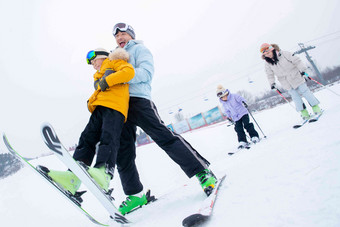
x,y
309,58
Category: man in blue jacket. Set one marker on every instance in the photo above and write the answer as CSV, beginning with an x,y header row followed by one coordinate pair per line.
x,y
143,113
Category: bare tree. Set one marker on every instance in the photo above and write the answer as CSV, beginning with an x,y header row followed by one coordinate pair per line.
x,y
179,116
247,96
9,164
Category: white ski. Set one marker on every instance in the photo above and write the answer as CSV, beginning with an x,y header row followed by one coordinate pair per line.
x,y
53,143
301,124
205,212
315,117
71,199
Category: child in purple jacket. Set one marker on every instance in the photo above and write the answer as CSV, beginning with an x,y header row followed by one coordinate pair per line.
x,y
234,107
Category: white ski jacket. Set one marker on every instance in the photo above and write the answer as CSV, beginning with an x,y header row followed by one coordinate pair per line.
x,y
287,70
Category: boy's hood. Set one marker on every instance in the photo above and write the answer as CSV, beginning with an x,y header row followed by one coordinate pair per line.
x,y
119,53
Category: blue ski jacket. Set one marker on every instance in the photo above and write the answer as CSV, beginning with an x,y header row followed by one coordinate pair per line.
x,y
142,61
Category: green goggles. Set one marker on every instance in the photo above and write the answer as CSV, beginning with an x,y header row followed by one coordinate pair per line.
x,y
91,55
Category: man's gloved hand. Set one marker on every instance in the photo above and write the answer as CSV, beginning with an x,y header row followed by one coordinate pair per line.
x,y
305,74
245,104
103,84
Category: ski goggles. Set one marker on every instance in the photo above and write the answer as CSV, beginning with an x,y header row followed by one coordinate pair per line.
x,y
121,27
266,49
222,93
91,55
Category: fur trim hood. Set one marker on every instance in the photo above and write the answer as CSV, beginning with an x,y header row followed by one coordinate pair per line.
x,y
276,47
119,54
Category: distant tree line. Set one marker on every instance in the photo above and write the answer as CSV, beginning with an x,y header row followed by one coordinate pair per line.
x,y
331,74
9,165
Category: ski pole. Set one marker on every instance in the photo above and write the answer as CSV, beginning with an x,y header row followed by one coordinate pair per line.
x,y
246,106
321,84
231,122
278,91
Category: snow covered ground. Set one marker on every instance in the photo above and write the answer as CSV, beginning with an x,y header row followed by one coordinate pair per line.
x,y
292,178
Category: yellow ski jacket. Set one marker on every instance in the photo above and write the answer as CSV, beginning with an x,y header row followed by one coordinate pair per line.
x,y
117,72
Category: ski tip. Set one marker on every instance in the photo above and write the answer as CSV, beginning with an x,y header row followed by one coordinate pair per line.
x,y
224,176
4,137
46,125
120,219
194,219
8,145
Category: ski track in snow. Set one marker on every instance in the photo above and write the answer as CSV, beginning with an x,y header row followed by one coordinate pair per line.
x,y
292,178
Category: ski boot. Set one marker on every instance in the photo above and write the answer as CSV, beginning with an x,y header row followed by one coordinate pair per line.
x,y
243,145
65,180
317,113
255,139
316,109
305,115
207,180
101,176
133,202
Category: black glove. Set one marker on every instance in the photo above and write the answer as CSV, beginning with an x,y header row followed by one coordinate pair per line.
x,y
245,104
96,84
103,84
305,74
230,120
273,86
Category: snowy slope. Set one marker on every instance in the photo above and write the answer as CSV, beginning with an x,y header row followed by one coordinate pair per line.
x,y
292,178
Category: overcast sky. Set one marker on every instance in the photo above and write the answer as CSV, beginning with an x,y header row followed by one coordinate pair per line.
x,y
196,44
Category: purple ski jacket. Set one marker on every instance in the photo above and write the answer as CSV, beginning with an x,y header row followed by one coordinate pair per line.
x,y
233,107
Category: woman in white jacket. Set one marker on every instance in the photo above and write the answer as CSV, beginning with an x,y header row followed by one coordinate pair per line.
x,y
290,71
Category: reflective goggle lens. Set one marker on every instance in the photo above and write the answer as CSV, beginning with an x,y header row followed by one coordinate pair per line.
x,y
90,56
121,27
222,93
266,49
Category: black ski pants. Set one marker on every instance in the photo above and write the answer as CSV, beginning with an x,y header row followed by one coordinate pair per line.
x,y
143,113
105,126
244,123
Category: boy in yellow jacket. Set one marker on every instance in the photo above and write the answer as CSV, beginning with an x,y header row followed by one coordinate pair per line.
x,y
109,107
